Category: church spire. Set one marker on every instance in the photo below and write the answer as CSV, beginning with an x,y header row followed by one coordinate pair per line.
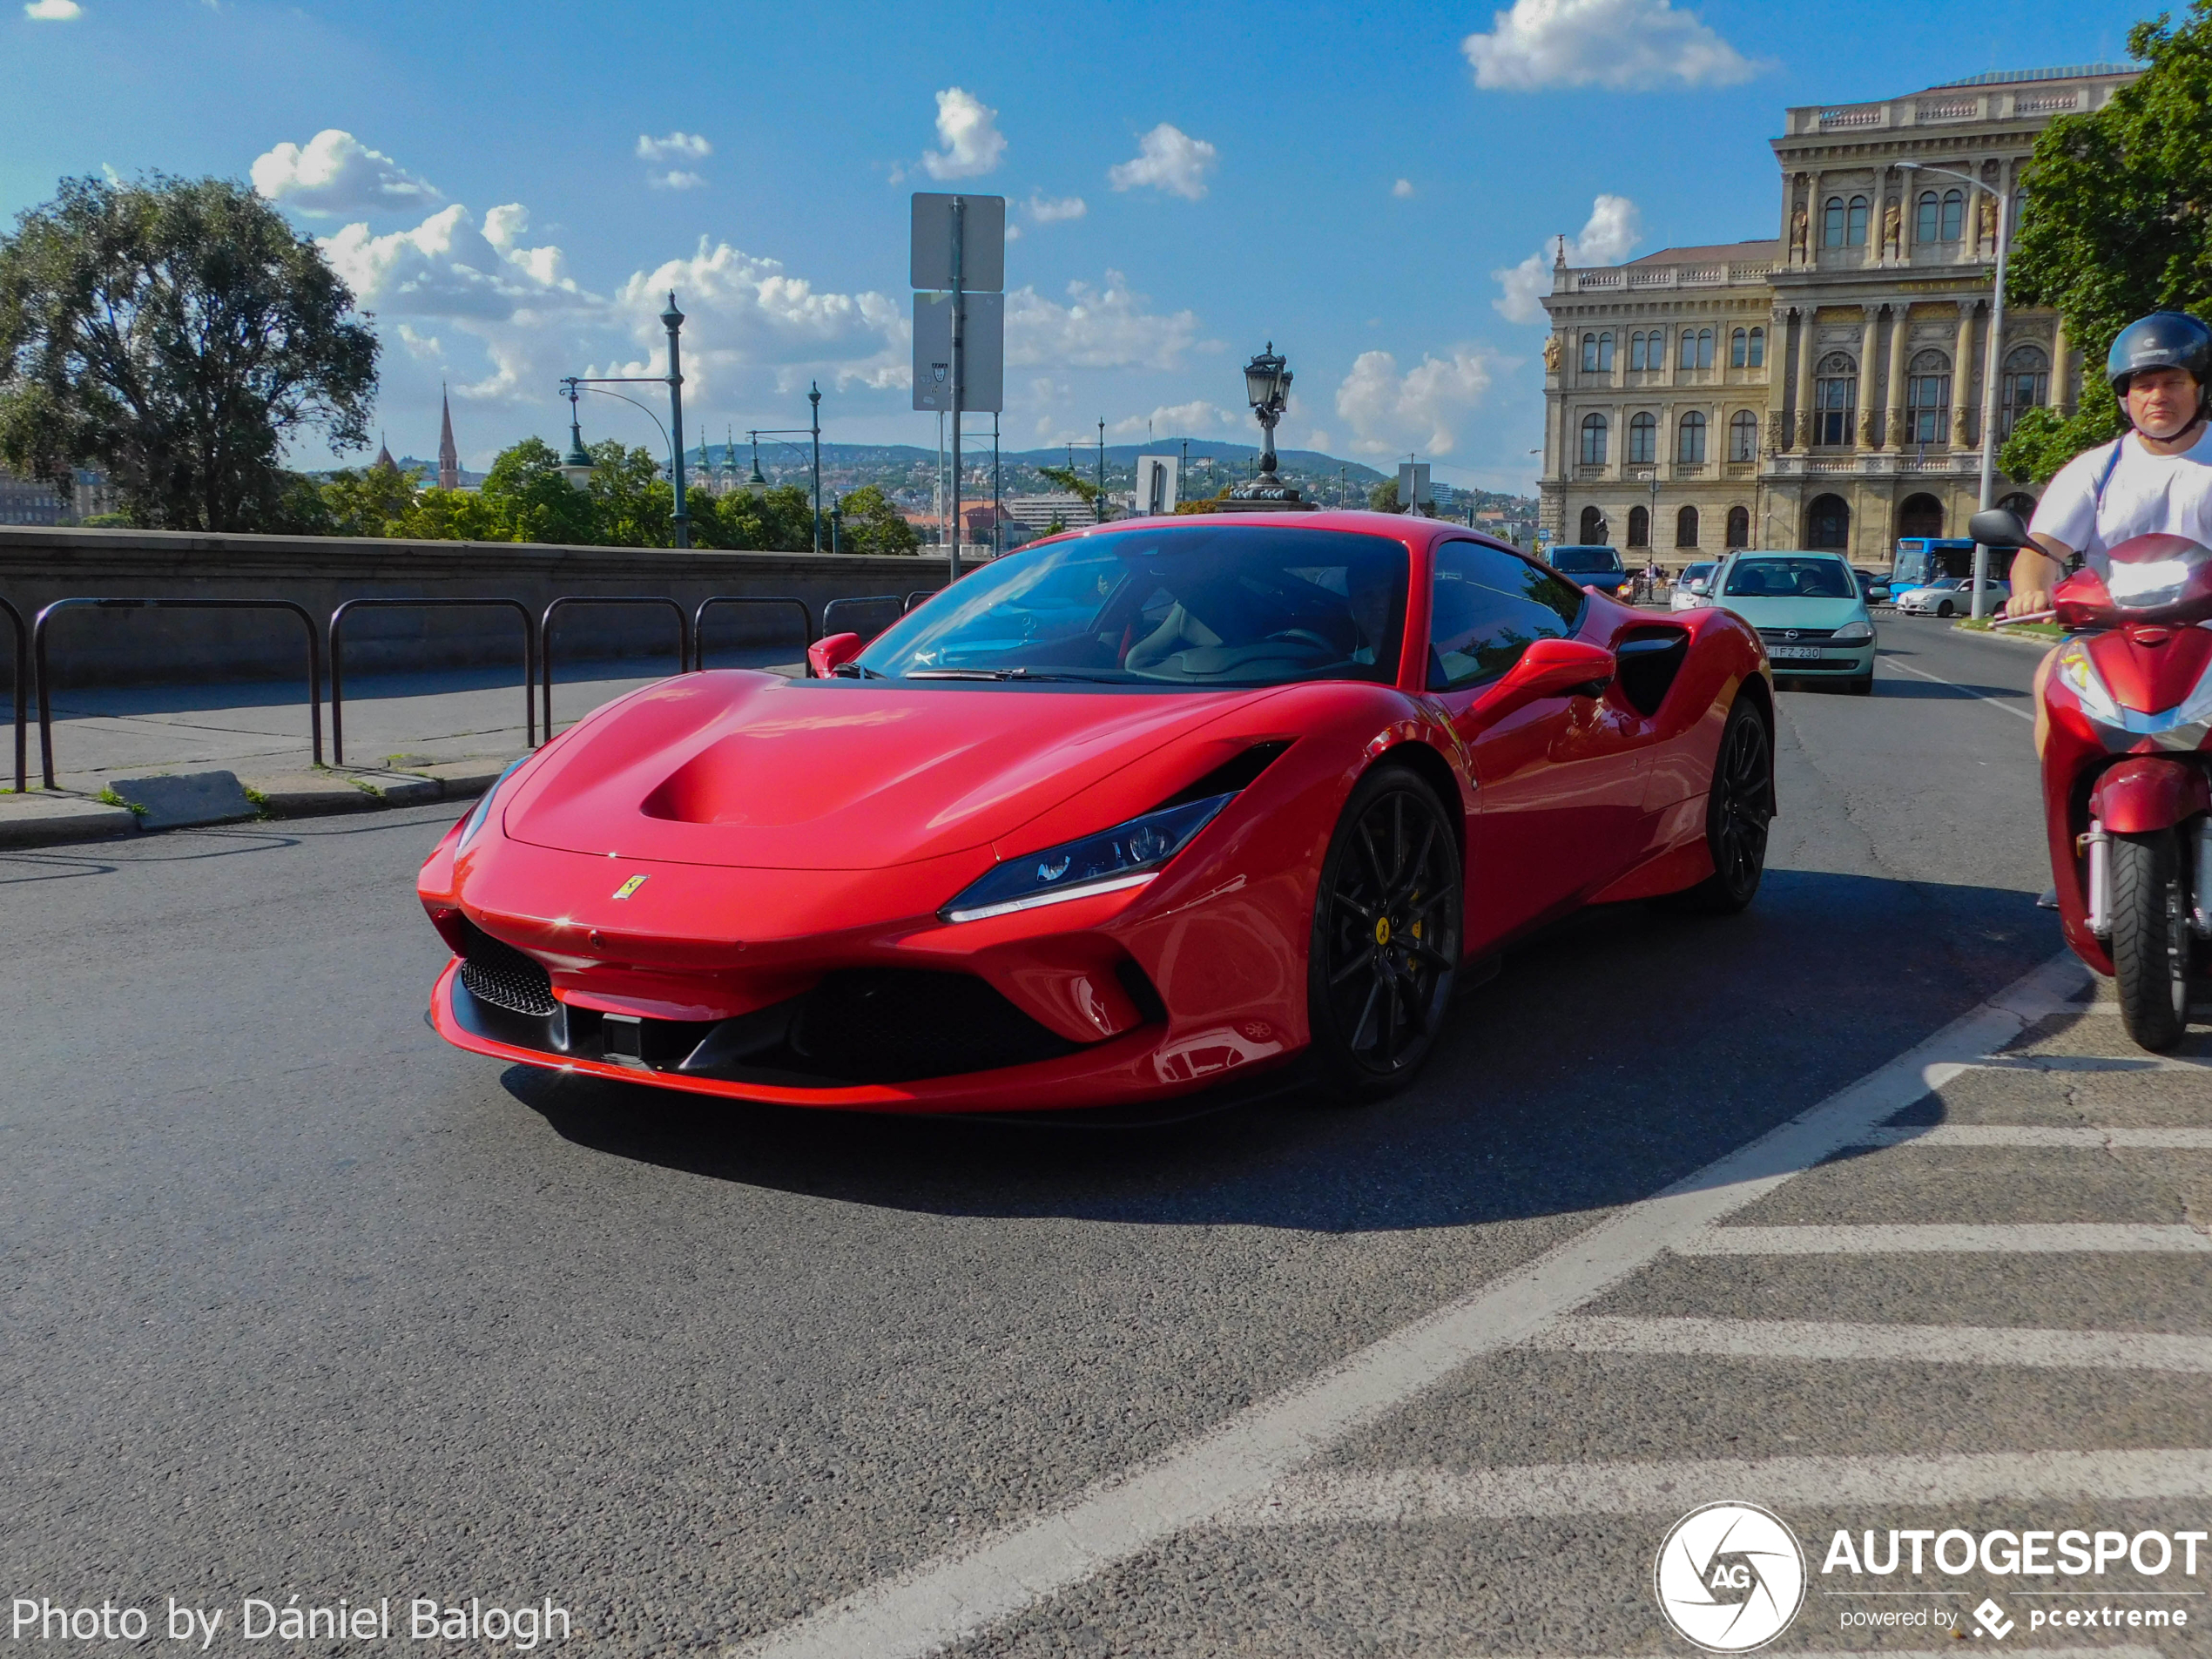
x,y
383,461
448,457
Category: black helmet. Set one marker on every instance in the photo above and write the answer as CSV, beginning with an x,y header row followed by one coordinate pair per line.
x,y
2163,340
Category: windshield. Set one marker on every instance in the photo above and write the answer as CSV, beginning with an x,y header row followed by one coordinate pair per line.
x,y
1944,581
1586,560
1696,572
1790,578
1165,606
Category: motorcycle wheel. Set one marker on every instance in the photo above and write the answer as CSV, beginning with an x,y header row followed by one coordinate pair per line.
x,y
2150,938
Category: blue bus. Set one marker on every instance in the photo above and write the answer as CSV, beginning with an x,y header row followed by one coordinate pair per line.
x,y
1923,559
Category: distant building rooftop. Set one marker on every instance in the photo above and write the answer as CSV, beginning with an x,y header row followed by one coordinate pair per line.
x,y
1714,254
2069,72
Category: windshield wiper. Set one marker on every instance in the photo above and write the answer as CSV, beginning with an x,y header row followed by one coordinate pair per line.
x,y
854,671
1006,674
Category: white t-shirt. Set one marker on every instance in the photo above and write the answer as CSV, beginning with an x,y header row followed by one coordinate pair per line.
x,y
2147,494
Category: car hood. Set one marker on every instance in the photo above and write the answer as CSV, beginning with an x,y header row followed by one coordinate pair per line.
x,y
752,770
1796,612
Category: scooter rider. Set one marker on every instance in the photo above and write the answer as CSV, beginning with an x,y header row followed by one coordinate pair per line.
x,y
2155,478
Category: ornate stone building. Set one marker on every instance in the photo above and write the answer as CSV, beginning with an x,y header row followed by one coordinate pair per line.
x,y
1822,389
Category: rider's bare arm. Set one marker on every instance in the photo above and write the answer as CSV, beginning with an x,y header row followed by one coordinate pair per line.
x,y
2036,570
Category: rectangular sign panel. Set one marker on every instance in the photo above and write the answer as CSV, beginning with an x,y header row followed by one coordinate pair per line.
x,y
983,388
1414,490
1156,484
983,255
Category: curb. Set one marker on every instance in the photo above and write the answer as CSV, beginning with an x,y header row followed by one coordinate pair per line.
x,y
2033,641
43,818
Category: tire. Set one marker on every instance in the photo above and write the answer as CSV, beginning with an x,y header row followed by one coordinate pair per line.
x,y
1736,814
2150,938
1863,687
1384,952
1946,608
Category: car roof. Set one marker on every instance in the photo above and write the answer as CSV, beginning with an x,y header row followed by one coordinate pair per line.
x,y
1785,553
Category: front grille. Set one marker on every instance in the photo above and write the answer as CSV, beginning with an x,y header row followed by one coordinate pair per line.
x,y
897,1025
497,973
1795,636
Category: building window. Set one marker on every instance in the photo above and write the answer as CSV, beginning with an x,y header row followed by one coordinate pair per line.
x,y
1686,528
1759,348
1925,219
1855,223
1744,435
1919,516
1593,528
1835,399
1605,354
1927,398
1739,527
1689,437
1831,228
1639,527
1697,349
2026,385
1636,351
1736,352
1593,441
1828,524
1954,214
1644,440
1589,353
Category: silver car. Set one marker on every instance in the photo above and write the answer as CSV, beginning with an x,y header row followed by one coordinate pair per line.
x,y
1691,586
1948,596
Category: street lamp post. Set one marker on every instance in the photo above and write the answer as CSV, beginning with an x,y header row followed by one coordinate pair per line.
x,y
758,484
671,434
1267,388
815,402
1979,599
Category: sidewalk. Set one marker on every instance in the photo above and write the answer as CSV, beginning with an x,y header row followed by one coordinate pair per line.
x,y
409,738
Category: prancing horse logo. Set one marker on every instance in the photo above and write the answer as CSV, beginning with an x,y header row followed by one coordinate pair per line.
x,y
630,886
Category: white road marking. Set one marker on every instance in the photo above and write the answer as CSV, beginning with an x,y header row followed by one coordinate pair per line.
x,y
957,1593
2016,1238
2028,715
2097,1139
1959,1345
1391,1497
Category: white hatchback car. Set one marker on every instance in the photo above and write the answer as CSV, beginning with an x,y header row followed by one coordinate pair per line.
x,y
1947,596
1691,584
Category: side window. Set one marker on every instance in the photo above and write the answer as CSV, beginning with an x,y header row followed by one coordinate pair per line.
x,y
1486,607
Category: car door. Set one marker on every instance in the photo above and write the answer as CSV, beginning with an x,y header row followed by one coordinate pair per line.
x,y
1559,784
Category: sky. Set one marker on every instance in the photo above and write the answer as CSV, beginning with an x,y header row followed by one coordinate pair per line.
x,y
512,189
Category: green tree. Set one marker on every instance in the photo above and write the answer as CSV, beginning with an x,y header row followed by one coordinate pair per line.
x,y
632,504
874,525
1076,484
780,521
1383,497
2118,222
174,333
532,502
365,502
451,515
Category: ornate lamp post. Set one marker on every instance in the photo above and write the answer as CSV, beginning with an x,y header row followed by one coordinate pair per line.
x,y
1267,388
576,466
672,434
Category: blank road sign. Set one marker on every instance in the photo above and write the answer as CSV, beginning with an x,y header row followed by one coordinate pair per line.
x,y
983,243
984,386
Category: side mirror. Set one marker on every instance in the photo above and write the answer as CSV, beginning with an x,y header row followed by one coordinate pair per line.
x,y
1549,668
1998,527
824,655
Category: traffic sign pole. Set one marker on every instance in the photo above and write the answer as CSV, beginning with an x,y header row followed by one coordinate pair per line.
x,y
960,352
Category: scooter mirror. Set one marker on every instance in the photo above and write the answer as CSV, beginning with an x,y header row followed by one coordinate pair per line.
x,y
1998,527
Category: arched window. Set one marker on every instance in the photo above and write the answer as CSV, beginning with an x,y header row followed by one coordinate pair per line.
x,y
1828,524
1759,348
1954,215
1593,528
1744,435
1686,528
1689,437
2026,385
1927,398
1593,441
1855,223
1835,399
1925,220
1919,516
1736,344
1639,527
1589,353
1739,527
1687,357
1704,349
1636,351
1605,354
1831,227
2019,501
1644,440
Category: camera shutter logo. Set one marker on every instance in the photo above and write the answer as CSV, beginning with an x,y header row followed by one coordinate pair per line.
x,y
1731,1578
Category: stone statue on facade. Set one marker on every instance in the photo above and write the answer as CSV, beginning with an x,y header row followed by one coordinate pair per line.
x,y
1551,354
1778,432
1867,437
1892,230
1800,229
1986,224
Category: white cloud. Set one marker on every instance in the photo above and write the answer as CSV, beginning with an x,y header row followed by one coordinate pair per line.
x,y
1048,211
335,173
1176,421
1099,328
1418,410
1170,159
1402,189
1623,45
52,11
674,179
1615,226
676,146
1317,439
967,128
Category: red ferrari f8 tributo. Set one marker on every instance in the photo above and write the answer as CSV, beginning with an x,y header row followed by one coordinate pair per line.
x,y
1118,816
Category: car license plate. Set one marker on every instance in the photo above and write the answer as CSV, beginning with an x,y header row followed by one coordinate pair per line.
x,y
1795,653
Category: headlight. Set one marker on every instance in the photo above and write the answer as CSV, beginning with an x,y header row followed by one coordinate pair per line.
x,y
1852,632
2081,674
1126,856
475,821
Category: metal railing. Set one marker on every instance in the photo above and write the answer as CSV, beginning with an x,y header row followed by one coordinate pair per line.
x,y
545,634
338,660
46,678
918,596
22,695
832,608
698,620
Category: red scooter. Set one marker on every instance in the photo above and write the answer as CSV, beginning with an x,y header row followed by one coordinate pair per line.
x,y
2127,770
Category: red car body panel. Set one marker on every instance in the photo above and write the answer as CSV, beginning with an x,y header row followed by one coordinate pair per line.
x,y
789,831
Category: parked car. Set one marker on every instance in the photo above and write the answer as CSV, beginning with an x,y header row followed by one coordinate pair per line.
x,y
1873,587
1809,611
1690,586
1948,596
1590,566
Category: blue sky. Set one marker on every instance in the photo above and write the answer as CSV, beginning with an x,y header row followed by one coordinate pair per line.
x,y
512,188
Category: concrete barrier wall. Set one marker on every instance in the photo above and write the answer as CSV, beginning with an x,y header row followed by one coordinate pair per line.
x,y
39,565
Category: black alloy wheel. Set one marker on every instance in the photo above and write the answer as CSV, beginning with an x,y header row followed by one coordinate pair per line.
x,y
1385,947
2150,938
1736,814
1946,608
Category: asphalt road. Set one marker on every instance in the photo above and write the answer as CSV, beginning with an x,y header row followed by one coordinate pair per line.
x,y
299,1302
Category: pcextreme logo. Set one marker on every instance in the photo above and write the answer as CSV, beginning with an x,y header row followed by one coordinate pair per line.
x,y
1730,1577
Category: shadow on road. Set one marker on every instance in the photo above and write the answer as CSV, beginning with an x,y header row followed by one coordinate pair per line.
x,y
1619,1051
